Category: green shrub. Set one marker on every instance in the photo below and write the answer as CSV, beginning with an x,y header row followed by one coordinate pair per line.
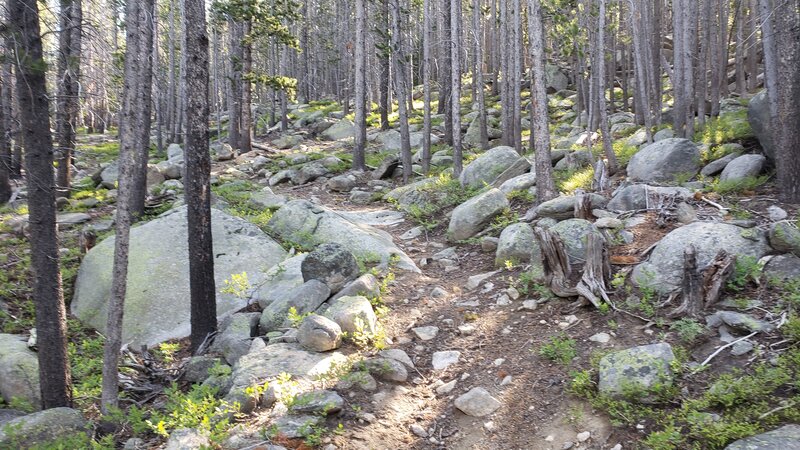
x,y
560,349
728,127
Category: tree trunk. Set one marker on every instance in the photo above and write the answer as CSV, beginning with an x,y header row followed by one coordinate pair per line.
x,y
400,88
198,174
426,85
246,123
48,297
445,72
359,149
788,44
235,103
69,55
601,82
384,55
479,91
543,167
455,87
771,61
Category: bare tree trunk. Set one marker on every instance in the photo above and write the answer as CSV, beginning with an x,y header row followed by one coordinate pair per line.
x,y
601,98
235,102
445,73
705,51
400,87
384,105
426,85
198,174
246,123
144,77
516,72
135,114
643,101
543,167
455,88
751,64
479,91
68,74
48,297
771,61
788,44
359,161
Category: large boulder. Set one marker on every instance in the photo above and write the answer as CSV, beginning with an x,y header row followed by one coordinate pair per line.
x,y
287,141
758,116
642,196
554,78
332,264
352,313
157,301
785,237
472,138
390,140
664,160
786,437
563,207
664,270
270,361
19,371
783,268
743,167
421,195
41,428
280,279
518,245
305,299
490,166
638,373
472,216
341,130
306,224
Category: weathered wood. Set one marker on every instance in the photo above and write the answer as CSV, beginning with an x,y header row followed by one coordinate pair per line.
x,y
701,288
596,272
583,207
715,276
557,268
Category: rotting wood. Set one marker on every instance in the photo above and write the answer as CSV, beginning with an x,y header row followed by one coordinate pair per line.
x,y
596,272
556,263
701,288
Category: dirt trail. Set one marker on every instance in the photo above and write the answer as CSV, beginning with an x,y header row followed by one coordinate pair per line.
x,y
498,345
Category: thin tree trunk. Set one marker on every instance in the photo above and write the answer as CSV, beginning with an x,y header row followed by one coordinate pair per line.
x,y
400,88
545,186
198,174
48,297
426,85
771,61
476,28
445,73
246,124
144,77
601,97
384,104
68,73
235,101
455,88
359,149
787,20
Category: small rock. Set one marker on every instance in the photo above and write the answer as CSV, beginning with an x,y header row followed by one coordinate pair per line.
x,y
584,436
567,445
444,359
438,292
294,427
387,369
600,338
332,264
426,333
477,403
319,334
530,305
412,234
474,281
446,388
418,430
398,355
490,426
323,402
685,213
466,329
741,347
776,213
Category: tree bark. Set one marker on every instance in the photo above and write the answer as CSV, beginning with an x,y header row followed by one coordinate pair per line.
x,y
400,87
426,85
611,158
455,87
143,76
69,55
359,149
246,123
235,103
788,44
198,174
479,91
543,167
51,317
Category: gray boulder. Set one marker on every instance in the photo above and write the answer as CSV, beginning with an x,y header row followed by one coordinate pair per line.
x,y
758,116
743,167
575,234
472,138
518,245
642,196
664,270
341,130
488,167
574,160
366,285
783,268
295,427
197,368
664,160
308,173
555,79
235,336
564,207
320,402
224,152
518,183
19,371
717,166
266,199
287,141
420,195
174,152
785,237
305,299
353,314
332,264
472,216
187,439
665,133
270,361
390,140
342,183
307,224
157,300
319,334
281,176
280,279
786,437
637,373
41,428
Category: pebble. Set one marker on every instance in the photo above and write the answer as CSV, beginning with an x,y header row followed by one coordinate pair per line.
x,y
601,338
550,438
504,300
776,213
478,402
507,380
567,445
499,361
466,329
513,293
530,305
418,430
426,333
446,388
490,426
476,280
438,292
583,437
616,447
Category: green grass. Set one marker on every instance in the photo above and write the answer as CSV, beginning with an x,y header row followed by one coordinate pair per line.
x,y
729,127
738,186
568,181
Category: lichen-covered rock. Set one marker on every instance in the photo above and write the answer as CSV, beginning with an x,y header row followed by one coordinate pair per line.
x,y
287,141
322,402
664,270
319,334
235,335
309,225
783,267
270,361
642,196
341,130
332,264
41,428
488,167
786,437
304,299
472,216
186,439
518,245
353,314
743,167
575,235
638,373
19,371
664,160
308,173
785,237
157,301
759,118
